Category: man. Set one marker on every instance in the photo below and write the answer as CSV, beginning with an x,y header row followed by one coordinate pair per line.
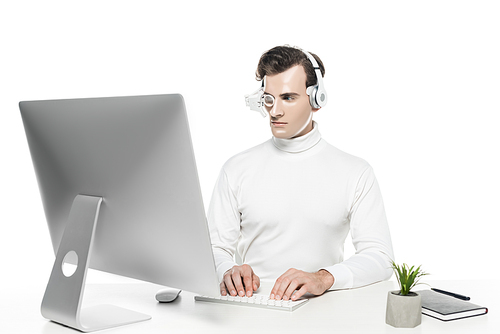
x,y
287,205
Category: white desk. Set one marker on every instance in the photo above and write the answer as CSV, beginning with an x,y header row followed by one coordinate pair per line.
x,y
351,311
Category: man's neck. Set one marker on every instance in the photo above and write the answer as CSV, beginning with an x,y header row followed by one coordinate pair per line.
x,y
299,144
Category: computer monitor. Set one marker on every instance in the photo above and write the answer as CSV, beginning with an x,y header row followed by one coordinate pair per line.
x,y
121,194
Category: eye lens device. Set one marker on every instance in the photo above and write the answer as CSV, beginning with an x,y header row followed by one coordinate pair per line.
x,y
257,100
268,100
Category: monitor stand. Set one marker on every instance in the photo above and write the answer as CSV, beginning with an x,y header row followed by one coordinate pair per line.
x,y
64,294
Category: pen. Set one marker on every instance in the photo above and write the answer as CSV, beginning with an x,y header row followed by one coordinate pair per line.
x,y
456,295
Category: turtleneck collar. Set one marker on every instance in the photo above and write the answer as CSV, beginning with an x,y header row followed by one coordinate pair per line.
x,y
299,144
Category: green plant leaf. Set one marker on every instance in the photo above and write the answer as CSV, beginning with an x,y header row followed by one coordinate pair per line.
x,y
407,276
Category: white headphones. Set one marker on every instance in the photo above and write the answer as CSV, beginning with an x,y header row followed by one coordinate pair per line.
x,y
317,93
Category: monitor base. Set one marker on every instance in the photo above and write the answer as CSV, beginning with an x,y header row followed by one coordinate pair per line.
x,y
62,302
107,316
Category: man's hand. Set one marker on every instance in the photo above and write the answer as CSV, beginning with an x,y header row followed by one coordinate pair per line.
x,y
239,280
315,283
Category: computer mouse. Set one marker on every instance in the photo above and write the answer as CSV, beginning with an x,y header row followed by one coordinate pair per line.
x,y
167,295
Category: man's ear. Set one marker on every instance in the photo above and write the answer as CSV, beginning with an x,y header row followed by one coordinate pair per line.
x,y
315,109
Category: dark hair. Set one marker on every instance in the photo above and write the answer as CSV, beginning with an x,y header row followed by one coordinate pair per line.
x,y
281,58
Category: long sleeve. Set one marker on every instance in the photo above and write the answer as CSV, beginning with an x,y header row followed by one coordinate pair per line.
x,y
224,225
370,236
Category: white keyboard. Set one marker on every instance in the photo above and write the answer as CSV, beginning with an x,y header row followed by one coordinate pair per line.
x,y
255,301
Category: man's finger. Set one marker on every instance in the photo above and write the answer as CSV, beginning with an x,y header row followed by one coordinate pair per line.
x,y
299,293
256,282
229,284
223,290
247,280
275,288
294,284
238,284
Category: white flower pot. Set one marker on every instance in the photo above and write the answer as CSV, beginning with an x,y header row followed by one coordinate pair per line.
x,y
403,311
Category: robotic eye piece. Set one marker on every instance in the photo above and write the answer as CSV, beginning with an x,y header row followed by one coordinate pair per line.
x,y
257,100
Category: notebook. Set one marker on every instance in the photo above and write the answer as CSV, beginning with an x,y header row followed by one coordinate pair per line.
x,y
446,308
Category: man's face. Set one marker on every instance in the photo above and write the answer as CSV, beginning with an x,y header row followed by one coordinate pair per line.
x,y
291,114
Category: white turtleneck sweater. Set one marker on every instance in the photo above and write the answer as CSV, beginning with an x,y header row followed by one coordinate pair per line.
x,y
289,203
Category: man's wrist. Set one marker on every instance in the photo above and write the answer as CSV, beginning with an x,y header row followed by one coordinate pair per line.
x,y
327,278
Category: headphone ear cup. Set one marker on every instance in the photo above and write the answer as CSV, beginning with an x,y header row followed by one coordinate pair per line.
x,y
320,97
312,97
317,97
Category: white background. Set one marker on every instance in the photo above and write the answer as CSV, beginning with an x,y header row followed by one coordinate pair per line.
x,y
413,89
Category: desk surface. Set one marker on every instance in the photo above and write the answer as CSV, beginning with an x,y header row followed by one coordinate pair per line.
x,y
350,311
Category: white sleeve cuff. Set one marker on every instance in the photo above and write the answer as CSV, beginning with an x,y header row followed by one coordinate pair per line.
x,y
342,275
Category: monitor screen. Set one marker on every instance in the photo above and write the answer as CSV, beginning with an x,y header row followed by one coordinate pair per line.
x,y
135,155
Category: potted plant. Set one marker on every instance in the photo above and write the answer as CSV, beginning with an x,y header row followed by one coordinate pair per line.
x,y
404,307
